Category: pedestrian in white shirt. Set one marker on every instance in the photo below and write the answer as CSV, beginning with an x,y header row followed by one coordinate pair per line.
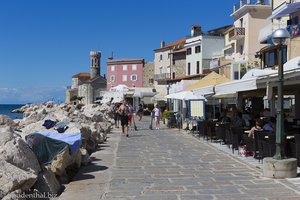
x,y
157,116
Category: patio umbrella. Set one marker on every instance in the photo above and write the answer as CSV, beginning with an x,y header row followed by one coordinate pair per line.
x,y
186,95
120,88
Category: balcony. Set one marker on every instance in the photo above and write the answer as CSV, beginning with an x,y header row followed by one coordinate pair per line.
x,y
162,76
214,64
242,3
237,34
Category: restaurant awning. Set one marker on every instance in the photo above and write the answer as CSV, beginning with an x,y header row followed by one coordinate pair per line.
x,y
141,94
210,80
247,83
185,95
285,10
229,89
209,90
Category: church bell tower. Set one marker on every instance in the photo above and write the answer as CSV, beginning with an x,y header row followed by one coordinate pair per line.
x,y
95,57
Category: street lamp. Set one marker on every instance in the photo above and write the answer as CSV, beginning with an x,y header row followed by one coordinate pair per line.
x,y
168,92
279,38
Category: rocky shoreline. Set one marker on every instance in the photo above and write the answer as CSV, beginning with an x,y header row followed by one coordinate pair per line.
x,y
20,170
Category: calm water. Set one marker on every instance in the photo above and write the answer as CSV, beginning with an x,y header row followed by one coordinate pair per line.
x,y
5,109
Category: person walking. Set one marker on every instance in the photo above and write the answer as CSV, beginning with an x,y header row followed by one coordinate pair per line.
x,y
116,114
157,116
130,114
123,110
140,111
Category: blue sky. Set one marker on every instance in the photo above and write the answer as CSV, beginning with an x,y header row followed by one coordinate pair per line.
x,y
43,43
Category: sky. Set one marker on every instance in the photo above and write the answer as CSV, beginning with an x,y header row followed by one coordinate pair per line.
x,y
44,42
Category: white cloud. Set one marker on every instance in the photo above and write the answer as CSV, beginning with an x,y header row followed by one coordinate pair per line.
x,y
31,95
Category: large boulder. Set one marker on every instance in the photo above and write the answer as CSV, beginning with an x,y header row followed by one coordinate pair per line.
x,y
89,141
14,178
18,164
47,182
7,121
64,160
93,113
15,150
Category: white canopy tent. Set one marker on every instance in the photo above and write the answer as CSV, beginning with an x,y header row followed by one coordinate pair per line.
x,y
209,90
120,88
116,96
247,83
292,64
185,95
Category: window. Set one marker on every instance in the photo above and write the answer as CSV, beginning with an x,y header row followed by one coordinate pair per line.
x,y
241,22
270,59
239,70
112,68
241,49
112,78
173,75
198,67
197,49
133,77
189,68
174,61
160,70
133,67
124,78
188,51
295,20
124,67
160,58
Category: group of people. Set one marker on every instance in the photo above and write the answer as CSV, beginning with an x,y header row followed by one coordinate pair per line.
x,y
264,121
123,115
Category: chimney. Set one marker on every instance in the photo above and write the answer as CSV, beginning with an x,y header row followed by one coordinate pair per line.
x,y
162,44
196,30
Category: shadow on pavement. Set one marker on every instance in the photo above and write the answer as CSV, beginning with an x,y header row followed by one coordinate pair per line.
x,y
83,173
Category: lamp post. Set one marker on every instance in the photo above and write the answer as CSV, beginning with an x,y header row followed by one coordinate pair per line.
x,y
168,92
279,38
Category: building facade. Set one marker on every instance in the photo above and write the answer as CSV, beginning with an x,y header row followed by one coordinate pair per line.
x,y
166,63
87,86
148,74
200,49
249,18
127,72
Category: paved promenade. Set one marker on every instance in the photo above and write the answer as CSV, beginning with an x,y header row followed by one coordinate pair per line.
x,y
168,164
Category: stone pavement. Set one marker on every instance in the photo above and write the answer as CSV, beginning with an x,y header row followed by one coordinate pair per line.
x,y
169,164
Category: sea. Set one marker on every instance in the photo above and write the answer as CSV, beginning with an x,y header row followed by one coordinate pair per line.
x,y
5,109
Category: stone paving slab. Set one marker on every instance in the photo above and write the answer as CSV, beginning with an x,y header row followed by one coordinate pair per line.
x,y
171,164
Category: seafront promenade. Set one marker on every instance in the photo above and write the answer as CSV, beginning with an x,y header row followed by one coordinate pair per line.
x,y
172,164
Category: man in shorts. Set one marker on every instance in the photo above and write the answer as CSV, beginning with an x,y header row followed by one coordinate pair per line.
x,y
123,111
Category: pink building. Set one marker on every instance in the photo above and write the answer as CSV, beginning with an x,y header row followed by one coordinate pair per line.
x,y
128,72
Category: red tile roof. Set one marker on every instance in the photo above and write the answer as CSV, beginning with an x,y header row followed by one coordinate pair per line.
x,y
177,42
83,74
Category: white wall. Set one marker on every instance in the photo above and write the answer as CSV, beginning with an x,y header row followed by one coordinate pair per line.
x,y
194,57
210,45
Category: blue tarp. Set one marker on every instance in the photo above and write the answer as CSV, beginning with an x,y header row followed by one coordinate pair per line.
x,y
73,139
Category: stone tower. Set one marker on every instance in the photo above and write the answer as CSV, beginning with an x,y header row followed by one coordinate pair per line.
x,y
95,57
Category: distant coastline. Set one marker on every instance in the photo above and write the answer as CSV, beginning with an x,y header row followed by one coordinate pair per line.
x,y
5,109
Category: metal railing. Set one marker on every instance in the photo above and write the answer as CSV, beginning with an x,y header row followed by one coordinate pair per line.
x,y
241,3
162,76
236,32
